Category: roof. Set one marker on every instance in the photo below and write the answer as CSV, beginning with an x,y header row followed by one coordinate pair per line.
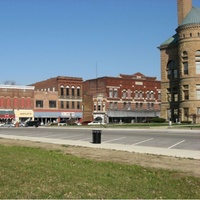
x,y
171,40
193,17
21,87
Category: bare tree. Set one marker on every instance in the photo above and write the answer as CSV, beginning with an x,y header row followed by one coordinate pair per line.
x,y
9,82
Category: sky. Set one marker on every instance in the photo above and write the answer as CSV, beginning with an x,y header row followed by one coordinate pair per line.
x,y
41,39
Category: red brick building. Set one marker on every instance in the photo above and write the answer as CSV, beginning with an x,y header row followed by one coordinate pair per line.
x,y
126,98
58,98
16,103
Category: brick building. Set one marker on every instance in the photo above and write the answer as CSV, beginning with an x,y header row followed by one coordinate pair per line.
x,y
58,98
127,98
16,103
180,67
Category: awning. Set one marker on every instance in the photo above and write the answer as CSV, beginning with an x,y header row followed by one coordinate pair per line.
x,y
56,115
142,113
7,114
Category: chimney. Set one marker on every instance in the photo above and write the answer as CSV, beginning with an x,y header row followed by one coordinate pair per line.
x,y
184,7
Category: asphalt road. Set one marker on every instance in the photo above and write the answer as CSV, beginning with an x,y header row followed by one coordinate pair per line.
x,y
158,138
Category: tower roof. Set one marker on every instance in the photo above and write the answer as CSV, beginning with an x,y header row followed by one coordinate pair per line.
x,y
193,17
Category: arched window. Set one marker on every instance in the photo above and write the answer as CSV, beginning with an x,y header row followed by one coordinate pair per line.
x,y
171,70
67,90
73,93
197,61
62,90
78,91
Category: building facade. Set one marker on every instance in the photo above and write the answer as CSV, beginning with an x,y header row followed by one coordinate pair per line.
x,y
127,98
16,103
180,67
57,99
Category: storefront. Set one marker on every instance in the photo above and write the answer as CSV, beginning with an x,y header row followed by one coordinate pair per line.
x,y
7,116
131,116
49,117
23,115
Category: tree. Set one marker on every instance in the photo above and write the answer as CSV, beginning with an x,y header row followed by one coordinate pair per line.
x,y
9,82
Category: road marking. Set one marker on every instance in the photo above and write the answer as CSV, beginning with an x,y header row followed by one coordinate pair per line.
x,y
176,144
85,139
72,136
142,141
115,139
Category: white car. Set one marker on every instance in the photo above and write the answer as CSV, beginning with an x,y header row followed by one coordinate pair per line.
x,y
95,123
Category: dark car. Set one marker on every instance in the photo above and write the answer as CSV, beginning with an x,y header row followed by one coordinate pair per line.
x,y
33,123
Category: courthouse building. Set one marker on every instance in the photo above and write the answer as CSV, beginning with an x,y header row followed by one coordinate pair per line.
x,y
180,67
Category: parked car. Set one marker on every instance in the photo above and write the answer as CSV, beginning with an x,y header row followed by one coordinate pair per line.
x,y
1,124
9,125
33,123
62,123
95,123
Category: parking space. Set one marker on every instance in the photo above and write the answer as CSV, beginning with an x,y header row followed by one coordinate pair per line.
x,y
168,139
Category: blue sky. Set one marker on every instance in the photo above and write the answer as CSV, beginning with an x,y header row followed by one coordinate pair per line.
x,y
40,39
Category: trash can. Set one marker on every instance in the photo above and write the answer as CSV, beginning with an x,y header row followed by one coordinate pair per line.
x,y
96,136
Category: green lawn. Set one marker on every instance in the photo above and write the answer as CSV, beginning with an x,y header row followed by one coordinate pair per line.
x,y
37,173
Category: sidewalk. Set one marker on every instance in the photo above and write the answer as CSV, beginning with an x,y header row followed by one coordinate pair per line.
x,y
120,147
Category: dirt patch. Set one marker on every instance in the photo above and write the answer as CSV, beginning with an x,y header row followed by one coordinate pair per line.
x,y
187,166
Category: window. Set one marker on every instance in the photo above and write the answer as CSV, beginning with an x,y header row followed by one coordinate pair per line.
x,y
115,105
22,103
52,104
198,91
185,92
8,102
78,91
185,68
67,91
159,96
152,106
15,103
197,61
152,95
148,95
115,93
62,104
136,94
73,105
111,93
39,104
61,91
124,105
67,104
95,107
111,105
171,70
129,105
99,107
28,102
124,94
141,105
73,93
185,62
136,105
141,95
78,105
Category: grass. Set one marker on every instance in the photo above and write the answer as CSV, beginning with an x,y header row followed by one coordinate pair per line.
x,y
35,173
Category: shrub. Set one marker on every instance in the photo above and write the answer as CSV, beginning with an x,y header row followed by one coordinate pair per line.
x,y
186,122
157,120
